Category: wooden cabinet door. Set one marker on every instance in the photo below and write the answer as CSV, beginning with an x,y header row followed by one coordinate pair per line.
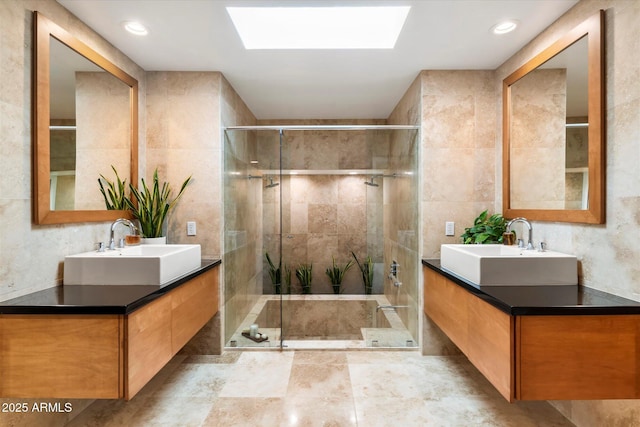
x,y
578,357
482,332
61,356
148,343
192,305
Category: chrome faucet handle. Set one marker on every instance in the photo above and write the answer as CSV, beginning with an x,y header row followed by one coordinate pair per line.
x,y
520,243
100,246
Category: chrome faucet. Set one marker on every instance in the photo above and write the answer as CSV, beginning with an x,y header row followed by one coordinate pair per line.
x,y
528,224
132,228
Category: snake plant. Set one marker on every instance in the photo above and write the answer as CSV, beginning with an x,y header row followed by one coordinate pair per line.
x,y
336,274
152,204
114,196
304,275
366,269
275,274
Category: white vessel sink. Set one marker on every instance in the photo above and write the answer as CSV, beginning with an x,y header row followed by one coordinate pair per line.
x,y
509,265
132,265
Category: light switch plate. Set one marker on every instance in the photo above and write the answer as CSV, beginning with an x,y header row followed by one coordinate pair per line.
x,y
449,228
191,228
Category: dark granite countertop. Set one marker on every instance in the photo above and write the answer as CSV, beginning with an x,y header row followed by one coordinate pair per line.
x,y
543,300
95,299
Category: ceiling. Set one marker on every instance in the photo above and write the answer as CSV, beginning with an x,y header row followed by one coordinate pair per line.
x,y
197,35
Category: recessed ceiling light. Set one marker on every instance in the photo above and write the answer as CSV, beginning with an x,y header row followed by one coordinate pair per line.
x,y
135,28
319,27
504,27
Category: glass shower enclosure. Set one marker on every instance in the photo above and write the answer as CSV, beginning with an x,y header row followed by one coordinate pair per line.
x,y
321,236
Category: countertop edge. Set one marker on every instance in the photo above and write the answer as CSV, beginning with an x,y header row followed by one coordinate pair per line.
x,y
122,309
521,310
206,266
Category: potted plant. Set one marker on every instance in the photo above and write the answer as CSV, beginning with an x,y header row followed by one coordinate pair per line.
x,y
150,205
366,269
275,273
304,275
336,274
485,230
114,196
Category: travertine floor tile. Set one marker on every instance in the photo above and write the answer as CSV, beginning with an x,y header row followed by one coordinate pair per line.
x,y
246,411
319,388
194,380
319,411
178,411
317,380
259,374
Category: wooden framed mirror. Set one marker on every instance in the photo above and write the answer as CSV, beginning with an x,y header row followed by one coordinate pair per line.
x,y
85,120
553,131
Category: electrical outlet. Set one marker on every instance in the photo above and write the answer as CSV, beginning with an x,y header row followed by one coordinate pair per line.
x,y
191,228
449,228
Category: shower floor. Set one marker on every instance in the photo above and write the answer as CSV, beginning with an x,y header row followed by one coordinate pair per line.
x,y
325,322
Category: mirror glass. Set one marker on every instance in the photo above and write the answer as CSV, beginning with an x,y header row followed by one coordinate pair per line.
x,y
85,117
89,129
549,123
553,164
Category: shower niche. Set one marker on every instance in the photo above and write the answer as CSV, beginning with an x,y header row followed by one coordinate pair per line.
x,y
304,201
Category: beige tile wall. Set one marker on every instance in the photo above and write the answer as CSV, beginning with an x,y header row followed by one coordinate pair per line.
x,y
183,139
458,152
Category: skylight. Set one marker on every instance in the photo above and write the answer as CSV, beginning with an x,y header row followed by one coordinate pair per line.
x,y
319,27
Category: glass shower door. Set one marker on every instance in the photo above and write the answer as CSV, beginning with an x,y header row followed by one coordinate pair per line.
x,y
251,231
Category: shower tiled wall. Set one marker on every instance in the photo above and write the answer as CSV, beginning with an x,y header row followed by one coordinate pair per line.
x,y
326,215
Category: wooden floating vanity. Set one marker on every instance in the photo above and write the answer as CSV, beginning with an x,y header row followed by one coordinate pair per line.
x,y
100,342
552,342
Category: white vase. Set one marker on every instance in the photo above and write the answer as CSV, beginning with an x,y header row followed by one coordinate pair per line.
x,y
153,240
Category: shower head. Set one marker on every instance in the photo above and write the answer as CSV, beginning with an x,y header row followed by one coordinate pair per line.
x,y
271,183
371,183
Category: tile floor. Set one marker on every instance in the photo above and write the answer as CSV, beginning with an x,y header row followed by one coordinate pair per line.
x,y
319,388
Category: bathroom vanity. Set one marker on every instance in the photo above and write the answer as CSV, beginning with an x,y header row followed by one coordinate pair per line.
x,y
100,341
545,342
